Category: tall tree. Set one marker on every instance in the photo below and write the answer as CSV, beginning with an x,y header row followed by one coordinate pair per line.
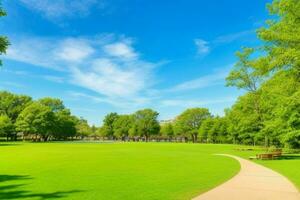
x,y
146,123
3,39
167,131
82,128
6,126
190,121
122,126
12,104
36,119
281,38
54,104
108,124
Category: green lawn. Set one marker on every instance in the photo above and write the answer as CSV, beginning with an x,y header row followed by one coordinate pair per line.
x,y
111,171
119,170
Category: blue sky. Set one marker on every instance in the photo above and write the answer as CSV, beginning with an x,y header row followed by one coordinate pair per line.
x,y
102,56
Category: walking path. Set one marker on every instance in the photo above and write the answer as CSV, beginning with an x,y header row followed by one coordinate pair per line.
x,y
253,182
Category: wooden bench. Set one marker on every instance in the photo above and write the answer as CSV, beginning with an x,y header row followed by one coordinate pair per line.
x,y
264,156
277,154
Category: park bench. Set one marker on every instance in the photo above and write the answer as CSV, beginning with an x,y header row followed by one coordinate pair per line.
x,y
264,156
276,153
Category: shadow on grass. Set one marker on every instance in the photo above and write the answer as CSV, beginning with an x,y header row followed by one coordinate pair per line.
x,y
15,191
289,157
8,144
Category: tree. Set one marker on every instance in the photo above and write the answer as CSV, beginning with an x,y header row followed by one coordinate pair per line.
x,y
108,124
55,105
190,121
12,105
167,131
244,75
146,123
3,39
36,119
82,128
281,38
122,126
205,128
133,132
65,125
6,126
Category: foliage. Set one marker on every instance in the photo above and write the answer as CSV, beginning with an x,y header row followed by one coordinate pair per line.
x,y
82,127
12,104
189,122
6,126
4,42
108,124
166,130
122,125
36,119
146,123
271,75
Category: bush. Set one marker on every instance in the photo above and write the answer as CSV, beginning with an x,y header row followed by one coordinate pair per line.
x,y
292,139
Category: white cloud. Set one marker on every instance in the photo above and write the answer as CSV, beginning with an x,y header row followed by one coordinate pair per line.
x,y
120,50
216,78
195,103
202,46
74,50
54,9
104,64
56,79
233,37
36,51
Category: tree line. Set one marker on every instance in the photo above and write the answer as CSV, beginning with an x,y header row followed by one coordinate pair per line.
x,y
41,120
267,114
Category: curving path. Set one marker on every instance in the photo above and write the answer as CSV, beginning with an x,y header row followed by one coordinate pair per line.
x,y
253,182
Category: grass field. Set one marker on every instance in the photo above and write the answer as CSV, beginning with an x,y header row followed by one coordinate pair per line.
x,y
119,170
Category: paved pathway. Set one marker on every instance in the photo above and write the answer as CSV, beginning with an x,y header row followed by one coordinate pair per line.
x,y
253,182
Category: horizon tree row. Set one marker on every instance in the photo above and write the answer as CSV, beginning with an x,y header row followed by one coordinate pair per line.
x,y
39,120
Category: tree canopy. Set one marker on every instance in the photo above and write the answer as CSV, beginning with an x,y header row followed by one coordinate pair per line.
x,y
4,42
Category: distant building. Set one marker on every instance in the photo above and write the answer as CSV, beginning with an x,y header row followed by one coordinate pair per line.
x,y
166,121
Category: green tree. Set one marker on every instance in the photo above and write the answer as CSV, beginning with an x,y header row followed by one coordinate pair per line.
x,y
82,128
6,126
108,125
36,119
205,128
146,123
190,121
167,131
281,38
3,39
122,126
65,125
55,105
244,75
12,105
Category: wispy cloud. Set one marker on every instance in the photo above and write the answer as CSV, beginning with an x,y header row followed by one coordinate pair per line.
x,y
56,79
216,78
195,103
74,50
13,84
55,9
202,46
108,65
233,36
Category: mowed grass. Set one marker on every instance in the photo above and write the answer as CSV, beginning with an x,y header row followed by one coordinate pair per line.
x,y
122,170
111,171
